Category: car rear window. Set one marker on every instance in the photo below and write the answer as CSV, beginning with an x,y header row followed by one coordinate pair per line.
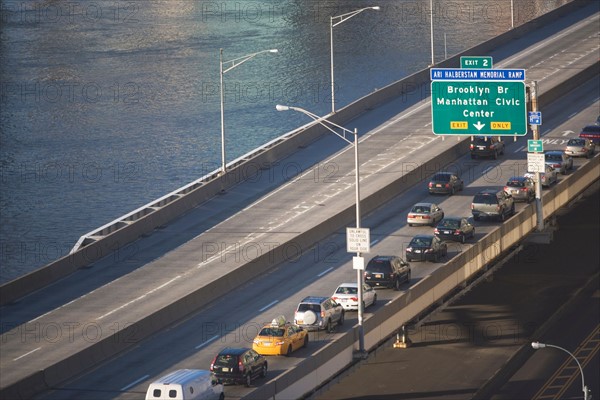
x,y
485,199
515,183
271,331
591,129
421,209
309,307
481,141
449,224
554,157
420,242
379,266
576,142
346,290
226,360
441,177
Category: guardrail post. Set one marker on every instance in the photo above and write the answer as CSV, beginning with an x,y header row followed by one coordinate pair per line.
x,y
402,340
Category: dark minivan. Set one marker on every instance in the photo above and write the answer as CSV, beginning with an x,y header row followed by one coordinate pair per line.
x,y
387,271
238,365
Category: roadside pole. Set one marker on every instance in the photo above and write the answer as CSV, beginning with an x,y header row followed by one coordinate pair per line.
x,y
538,184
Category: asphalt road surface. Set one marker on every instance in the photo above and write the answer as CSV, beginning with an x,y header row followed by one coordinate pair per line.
x,y
454,354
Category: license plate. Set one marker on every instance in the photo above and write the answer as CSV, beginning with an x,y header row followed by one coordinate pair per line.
x,y
300,322
343,300
481,147
438,185
266,343
378,276
447,232
417,251
225,369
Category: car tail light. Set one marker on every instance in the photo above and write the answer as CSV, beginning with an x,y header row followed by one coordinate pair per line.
x,y
411,215
335,298
472,146
322,313
426,217
354,298
457,232
472,206
428,250
240,365
430,184
498,208
524,189
212,364
436,231
447,186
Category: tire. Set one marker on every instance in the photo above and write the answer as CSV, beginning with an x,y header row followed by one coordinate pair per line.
x,y
289,351
409,224
473,156
476,217
495,156
305,344
408,277
263,370
512,210
452,191
343,316
329,326
502,216
396,285
374,299
463,238
248,380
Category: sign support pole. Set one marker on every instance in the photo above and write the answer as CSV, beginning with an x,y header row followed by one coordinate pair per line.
x,y
539,206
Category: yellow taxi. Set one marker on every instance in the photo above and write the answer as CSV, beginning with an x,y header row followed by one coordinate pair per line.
x,y
280,338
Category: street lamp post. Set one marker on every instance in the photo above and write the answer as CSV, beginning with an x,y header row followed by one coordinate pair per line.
x,y
234,63
359,277
340,18
586,393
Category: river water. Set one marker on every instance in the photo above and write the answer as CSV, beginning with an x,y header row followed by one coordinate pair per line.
x,y
108,105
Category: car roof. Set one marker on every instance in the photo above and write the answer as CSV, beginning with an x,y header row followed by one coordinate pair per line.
x,y
234,350
553,152
452,218
382,258
488,191
423,204
348,284
423,236
314,299
517,178
591,128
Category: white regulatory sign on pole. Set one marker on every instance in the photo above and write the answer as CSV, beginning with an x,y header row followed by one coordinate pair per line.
x,y
358,240
535,162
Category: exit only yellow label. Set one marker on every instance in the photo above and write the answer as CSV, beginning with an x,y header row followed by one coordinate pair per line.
x,y
505,126
459,125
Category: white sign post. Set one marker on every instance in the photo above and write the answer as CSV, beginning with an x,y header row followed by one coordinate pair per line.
x,y
536,162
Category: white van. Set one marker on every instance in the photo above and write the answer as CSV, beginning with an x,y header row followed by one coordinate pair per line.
x,y
186,384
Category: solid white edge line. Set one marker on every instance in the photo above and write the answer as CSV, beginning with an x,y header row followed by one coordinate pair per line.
x,y
132,384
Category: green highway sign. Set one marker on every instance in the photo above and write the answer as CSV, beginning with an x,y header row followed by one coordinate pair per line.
x,y
480,107
478,62
535,146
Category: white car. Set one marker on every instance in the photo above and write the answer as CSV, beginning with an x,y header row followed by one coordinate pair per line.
x,y
347,295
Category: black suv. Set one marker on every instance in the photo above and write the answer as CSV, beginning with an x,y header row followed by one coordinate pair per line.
x,y
238,365
492,203
317,312
388,271
486,146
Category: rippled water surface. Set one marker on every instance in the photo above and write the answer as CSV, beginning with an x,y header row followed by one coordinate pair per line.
x,y
107,105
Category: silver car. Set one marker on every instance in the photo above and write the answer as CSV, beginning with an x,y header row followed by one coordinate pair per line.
x,y
520,188
580,148
559,161
548,177
347,295
424,214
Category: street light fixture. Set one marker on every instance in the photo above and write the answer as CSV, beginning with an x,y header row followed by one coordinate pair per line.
x,y
586,392
236,62
359,279
341,18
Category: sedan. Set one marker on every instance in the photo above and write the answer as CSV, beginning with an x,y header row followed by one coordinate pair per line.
x,y
445,183
548,177
280,338
457,229
559,161
580,148
520,188
424,214
426,247
347,295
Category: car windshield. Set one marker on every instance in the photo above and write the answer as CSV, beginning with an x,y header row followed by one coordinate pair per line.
x,y
271,331
576,142
421,209
441,177
378,267
449,223
485,199
346,290
420,241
